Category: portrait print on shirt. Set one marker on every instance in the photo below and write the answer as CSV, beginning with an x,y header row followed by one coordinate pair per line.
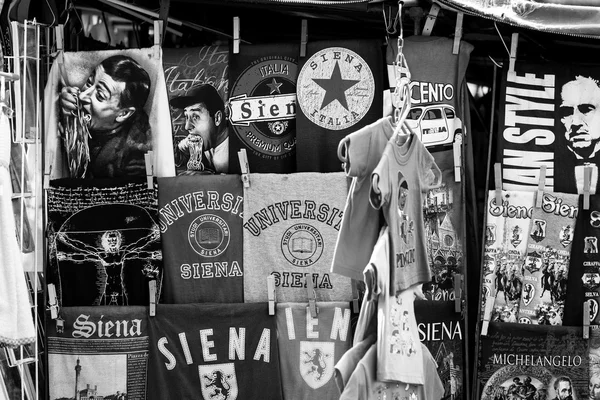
x,y
550,116
105,110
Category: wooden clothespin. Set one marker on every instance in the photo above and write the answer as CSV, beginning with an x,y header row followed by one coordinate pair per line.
x,y
458,33
47,169
587,180
457,152
236,35
431,17
514,43
541,186
149,160
586,319
355,307
271,294
244,167
52,301
312,296
158,33
303,38
152,294
458,293
498,182
487,314
59,33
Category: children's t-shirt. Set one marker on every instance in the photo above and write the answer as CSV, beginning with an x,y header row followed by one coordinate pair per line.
x,y
361,222
404,172
363,384
309,348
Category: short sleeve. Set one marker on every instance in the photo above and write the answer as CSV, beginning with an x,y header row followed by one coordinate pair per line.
x,y
357,151
434,388
379,193
427,168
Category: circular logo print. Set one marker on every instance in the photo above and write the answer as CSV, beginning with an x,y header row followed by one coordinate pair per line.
x,y
262,107
335,88
209,235
302,245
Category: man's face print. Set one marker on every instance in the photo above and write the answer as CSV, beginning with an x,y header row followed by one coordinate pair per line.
x,y
199,122
402,192
580,116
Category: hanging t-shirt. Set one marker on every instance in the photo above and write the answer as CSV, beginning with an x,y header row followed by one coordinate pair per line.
x,y
103,241
309,348
584,269
546,269
405,171
505,247
262,107
348,362
532,362
547,113
442,329
213,351
100,352
186,69
363,150
363,384
291,223
339,90
200,219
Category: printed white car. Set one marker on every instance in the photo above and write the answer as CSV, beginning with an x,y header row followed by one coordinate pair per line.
x,y
435,124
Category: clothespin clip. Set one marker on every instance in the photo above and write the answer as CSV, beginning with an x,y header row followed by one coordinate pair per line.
x,y
149,160
244,167
303,38
514,43
487,314
431,17
47,169
457,293
271,293
587,179
59,33
152,293
541,186
312,296
586,319
236,35
458,33
52,301
158,32
457,152
498,181
355,308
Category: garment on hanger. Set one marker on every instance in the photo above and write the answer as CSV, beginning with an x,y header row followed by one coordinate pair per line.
x,y
16,322
99,352
339,90
262,106
546,267
115,141
309,348
362,151
348,362
291,223
200,218
186,70
104,242
214,351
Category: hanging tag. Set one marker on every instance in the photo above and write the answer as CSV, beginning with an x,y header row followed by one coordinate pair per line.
x,y
149,160
158,30
244,167
60,325
458,33
47,169
457,152
487,314
457,293
431,17
587,179
303,38
541,186
236,35
514,43
52,301
312,296
152,294
498,182
586,319
271,293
